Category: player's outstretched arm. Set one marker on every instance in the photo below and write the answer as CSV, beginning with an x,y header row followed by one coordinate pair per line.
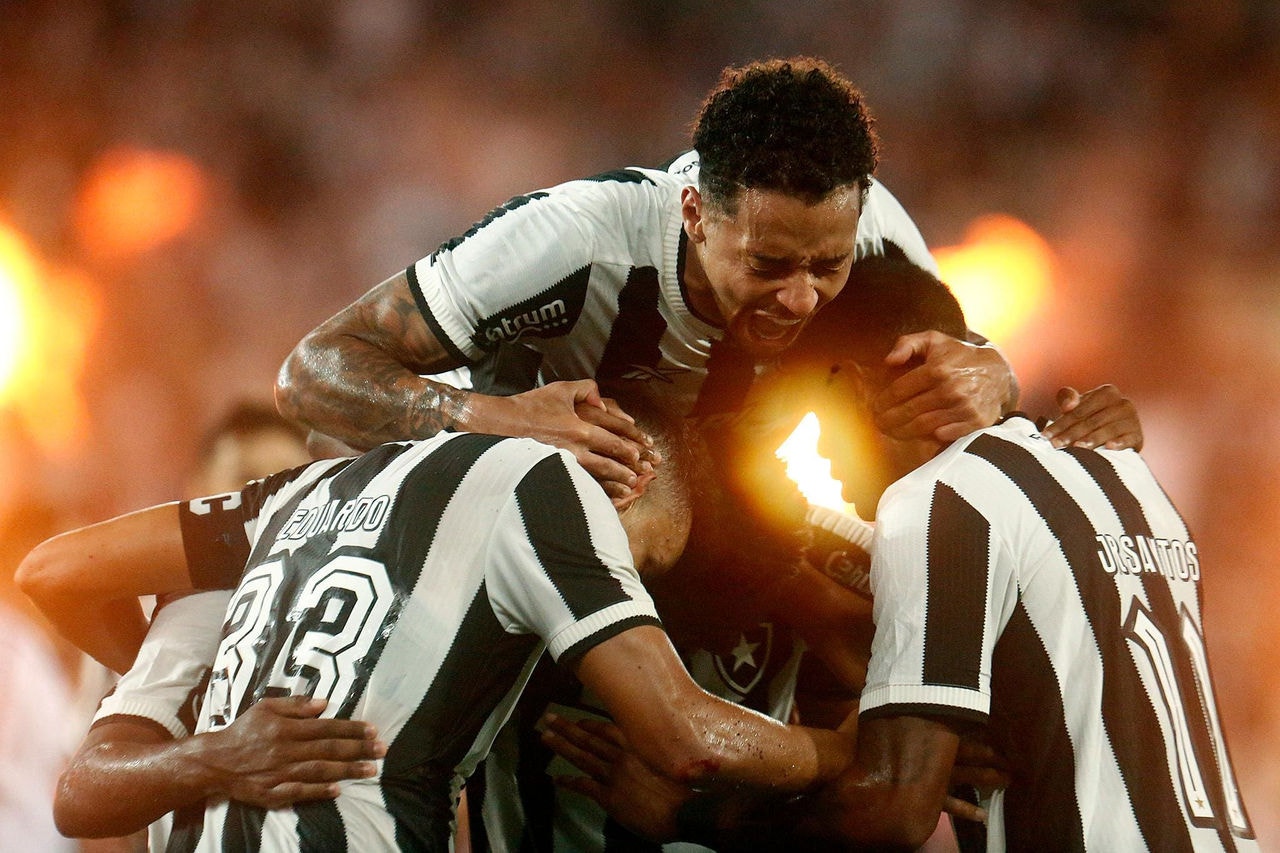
x,y
889,799
127,774
694,738
357,378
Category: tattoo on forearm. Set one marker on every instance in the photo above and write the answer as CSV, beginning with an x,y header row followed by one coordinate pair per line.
x,y
438,407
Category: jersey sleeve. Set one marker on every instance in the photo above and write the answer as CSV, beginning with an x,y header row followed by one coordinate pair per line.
x,y
218,531
171,665
560,565
885,219
520,273
935,569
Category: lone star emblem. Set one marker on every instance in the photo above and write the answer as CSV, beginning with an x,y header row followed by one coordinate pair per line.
x,y
742,667
744,653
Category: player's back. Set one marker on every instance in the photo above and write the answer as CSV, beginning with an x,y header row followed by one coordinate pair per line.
x,y
398,588
1100,687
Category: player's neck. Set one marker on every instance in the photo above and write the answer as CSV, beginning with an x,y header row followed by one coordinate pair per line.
x,y
697,289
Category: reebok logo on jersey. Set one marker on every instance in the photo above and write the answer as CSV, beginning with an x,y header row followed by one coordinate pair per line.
x,y
1176,559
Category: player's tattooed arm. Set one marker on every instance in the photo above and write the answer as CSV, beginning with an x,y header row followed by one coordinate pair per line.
x,y
356,376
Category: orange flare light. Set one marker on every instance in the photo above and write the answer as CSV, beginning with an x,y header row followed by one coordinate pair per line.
x,y
1002,275
134,200
46,317
807,469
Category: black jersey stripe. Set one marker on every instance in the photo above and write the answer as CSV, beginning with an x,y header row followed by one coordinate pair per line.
x,y
730,372
1131,721
242,828
555,521
188,826
1040,803
956,598
320,827
445,724
636,335
1164,612
420,505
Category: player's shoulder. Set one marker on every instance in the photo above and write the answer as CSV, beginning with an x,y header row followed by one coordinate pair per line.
x,y
625,182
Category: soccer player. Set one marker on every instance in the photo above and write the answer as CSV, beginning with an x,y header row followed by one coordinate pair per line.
x,y
679,279
413,588
269,757
1046,600
635,275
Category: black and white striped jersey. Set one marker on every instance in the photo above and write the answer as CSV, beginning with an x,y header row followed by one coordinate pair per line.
x,y
583,280
413,587
1054,595
516,807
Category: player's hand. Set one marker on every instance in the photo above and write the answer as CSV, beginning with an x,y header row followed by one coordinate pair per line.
x,y
279,752
1102,417
959,388
573,416
643,801
978,765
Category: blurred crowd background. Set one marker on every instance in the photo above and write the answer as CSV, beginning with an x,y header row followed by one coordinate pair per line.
x,y
186,188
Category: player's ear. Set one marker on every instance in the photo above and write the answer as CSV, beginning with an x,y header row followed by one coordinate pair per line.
x,y
691,212
622,504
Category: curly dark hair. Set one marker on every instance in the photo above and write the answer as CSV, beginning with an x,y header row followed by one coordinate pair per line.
x,y
794,125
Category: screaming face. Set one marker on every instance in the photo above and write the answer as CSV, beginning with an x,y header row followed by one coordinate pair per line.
x,y
760,272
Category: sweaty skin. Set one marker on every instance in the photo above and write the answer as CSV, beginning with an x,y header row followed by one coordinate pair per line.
x,y
761,270
356,378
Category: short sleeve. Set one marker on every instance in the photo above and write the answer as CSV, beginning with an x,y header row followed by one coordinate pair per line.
x,y
520,273
930,571
560,566
171,665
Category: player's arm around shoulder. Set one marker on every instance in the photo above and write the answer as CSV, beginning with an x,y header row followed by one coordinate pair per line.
x,y
87,581
355,377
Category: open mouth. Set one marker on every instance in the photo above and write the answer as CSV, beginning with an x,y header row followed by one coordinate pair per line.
x,y
770,328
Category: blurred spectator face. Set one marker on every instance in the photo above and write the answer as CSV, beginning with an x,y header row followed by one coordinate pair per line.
x,y
236,459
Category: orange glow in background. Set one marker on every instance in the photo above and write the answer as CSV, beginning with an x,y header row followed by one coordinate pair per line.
x,y
133,200
1002,276
46,319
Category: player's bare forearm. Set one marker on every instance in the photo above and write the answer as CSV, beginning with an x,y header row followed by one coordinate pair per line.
x,y
357,377
350,389
116,758
276,754
694,738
